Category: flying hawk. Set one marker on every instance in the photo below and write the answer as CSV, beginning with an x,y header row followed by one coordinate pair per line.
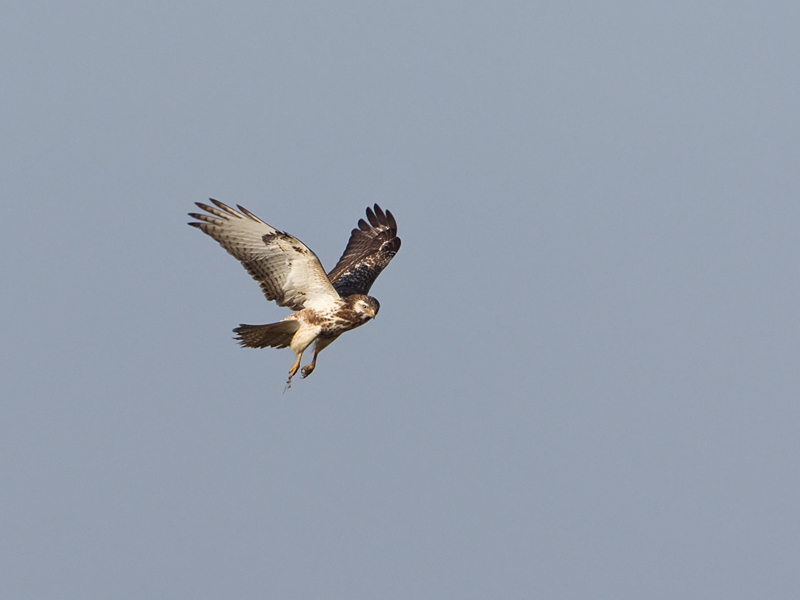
x,y
291,274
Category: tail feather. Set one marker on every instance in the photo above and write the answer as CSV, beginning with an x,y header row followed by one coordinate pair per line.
x,y
276,335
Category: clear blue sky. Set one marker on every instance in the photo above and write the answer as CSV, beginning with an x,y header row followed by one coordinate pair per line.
x,y
583,382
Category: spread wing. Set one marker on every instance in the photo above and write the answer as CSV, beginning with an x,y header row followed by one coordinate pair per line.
x,y
287,271
368,251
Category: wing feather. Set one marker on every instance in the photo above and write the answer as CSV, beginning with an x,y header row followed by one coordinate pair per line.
x,y
286,269
368,251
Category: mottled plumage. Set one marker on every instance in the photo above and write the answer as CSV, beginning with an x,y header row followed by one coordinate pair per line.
x,y
289,273
368,251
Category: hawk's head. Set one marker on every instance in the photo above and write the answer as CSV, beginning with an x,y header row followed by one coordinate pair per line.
x,y
365,307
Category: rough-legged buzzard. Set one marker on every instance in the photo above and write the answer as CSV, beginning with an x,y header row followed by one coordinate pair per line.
x,y
290,274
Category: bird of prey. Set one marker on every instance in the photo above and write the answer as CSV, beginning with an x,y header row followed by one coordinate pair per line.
x,y
291,274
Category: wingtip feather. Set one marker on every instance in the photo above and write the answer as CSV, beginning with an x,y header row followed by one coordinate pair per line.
x,y
372,218
392,222
224,207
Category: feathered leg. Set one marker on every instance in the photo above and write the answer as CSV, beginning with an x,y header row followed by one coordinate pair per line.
x,y
301,340
319,346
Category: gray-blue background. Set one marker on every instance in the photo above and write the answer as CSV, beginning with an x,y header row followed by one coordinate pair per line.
x,y
583,382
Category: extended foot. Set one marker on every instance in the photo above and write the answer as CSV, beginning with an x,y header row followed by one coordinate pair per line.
x,y
294,368
307,370
292,372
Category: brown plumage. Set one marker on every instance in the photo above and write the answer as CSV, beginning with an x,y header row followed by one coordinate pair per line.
x,y
368,251
274,335
289,273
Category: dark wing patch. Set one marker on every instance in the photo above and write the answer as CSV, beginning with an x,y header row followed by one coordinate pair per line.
x,y
368,251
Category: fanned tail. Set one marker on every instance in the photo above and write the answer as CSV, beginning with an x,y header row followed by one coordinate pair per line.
x,y
275,335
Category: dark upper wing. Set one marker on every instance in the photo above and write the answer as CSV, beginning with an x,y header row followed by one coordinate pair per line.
x,y
287,271
369,250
